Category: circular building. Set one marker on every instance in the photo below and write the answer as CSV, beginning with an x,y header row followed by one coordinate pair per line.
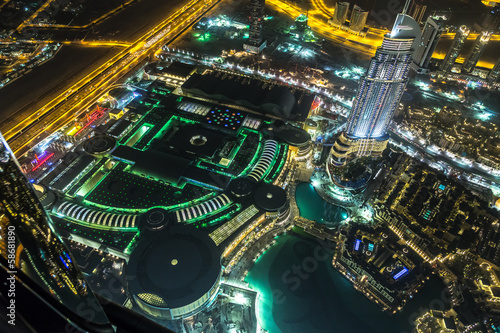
x,y
46,197
353,177
174,273
298,140
99,145
155,219
153,71
294,136
278,123
271,198
240,188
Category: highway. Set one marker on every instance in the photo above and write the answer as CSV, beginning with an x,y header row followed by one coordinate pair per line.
x,y
325,11
101,18
320,6
81,95
430,156
97,43
4,2
366,45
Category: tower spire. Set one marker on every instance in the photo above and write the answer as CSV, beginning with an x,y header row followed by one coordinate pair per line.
x,y
405,8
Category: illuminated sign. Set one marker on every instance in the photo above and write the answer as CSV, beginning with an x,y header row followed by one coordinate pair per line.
x,y
400,273
356,245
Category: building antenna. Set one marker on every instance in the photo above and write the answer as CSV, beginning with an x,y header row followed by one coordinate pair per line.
x,y
405,9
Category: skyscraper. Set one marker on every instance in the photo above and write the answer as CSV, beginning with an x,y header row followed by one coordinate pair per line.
x,y
255,43
301,22
476,51
31,249
495,72
340,15
430,38
455,48
489,243
492,19
417,10
358,20
379,93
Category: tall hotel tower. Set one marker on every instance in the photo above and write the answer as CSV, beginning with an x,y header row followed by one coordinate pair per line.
x,y
477,50
455,48
430,38
379,93
31,249
255,43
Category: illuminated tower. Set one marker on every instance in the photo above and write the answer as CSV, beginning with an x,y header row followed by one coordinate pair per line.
x,y
489,245
417,10
340,14
491,3
301,22
455,48
495,72
477,50
379,93
358,20
36,253
430,38
255,43
492,19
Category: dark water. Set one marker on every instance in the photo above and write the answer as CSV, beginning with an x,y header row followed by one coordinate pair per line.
x,y
300,291
314,208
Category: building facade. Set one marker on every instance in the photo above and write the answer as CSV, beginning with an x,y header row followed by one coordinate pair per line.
x,y
492,19
489,243
340,15
477,51
28,244
455,48
379,93
255,42
358,20
430,38
495,72
417,10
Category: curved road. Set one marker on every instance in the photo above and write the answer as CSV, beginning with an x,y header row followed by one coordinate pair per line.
x,y
434,157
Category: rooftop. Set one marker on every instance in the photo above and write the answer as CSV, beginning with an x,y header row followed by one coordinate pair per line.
x,y
178,264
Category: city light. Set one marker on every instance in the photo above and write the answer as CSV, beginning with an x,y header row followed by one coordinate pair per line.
x,y
248,155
